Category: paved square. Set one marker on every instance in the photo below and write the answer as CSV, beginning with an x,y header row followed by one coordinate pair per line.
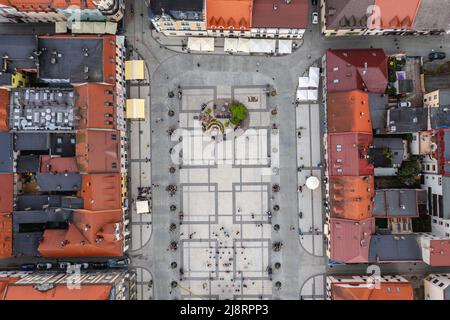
x,y
225,192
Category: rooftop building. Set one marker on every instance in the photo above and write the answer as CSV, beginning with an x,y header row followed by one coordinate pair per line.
x,y
280,14
395,14
60,10
351,197
356,69
96,106
98,151
362,288
349,240
233,15
437,287
92,285
77,59
395,203
348,112
88,234
407,120
101,191
435,249
348,154
395,248
42,109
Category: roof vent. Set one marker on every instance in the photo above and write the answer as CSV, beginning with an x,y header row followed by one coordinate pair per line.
x,y
275,7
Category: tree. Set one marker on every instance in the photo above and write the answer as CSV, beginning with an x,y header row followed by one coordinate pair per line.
x,y
239,113
409,171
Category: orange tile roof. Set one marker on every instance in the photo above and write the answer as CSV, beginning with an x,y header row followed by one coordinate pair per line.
x,y
59,292
399,14
91,234
98,151
101,191
352,197
348,112
5,235
96,106
229,14
361,291
4,110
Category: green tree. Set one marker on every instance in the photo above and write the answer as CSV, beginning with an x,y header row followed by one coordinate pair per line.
x,y
239,113
409,171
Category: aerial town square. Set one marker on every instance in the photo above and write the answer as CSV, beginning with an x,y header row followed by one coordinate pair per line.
x,y
224,150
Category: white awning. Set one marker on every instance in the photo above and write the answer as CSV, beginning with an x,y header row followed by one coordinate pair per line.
x,y
200,44
207,44
303,82
262,46
314,75
313,95
307,95
231,45
284,46
194,44
302,95
142,207
110,27
243,45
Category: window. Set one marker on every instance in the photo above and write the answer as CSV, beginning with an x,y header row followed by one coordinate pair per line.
x,y
339,170
338,147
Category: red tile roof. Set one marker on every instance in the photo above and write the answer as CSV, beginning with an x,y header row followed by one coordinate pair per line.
x,y
348,112
439,253
279,14
356,69
350,240
348,154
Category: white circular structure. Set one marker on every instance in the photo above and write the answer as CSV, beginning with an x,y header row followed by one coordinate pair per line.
x,y
312,183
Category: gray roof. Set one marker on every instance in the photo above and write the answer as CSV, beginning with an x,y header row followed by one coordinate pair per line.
x,y
28,228
63,144
58,182
31,141
178,9
6,157
28,163
40,202
446,199
395,146
18,49
407,120
440,117
378,104
70,63
347,14
397,203
433,15
388,247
